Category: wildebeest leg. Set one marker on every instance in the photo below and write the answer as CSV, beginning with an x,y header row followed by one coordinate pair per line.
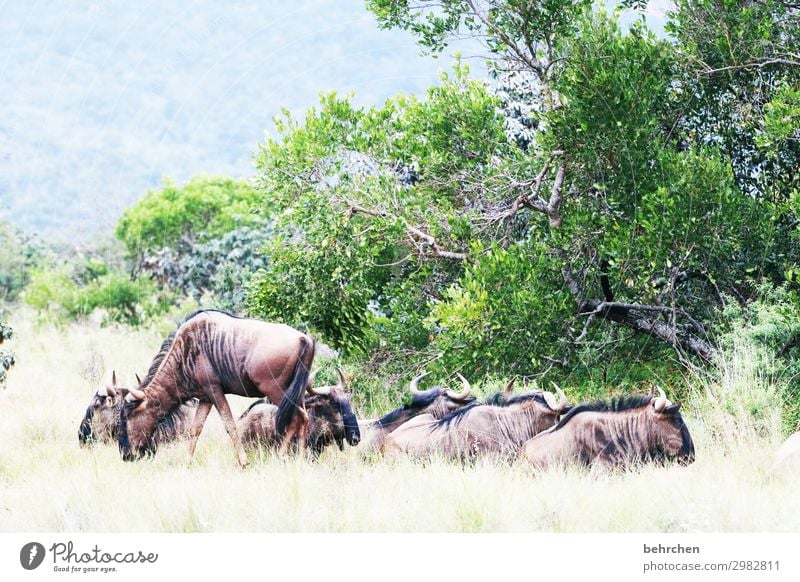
x,y
200,415
224,409
299,428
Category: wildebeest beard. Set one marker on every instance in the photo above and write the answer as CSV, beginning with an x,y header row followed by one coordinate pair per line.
x,y
85,434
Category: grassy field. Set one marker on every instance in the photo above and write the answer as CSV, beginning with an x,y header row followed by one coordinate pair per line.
x,y
48,483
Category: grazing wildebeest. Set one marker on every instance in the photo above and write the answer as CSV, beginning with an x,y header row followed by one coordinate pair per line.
x,y
330,419
100,423
479,429
787,457
211,354
617,433
437,401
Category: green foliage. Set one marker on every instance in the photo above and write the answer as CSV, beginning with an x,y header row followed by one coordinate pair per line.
x,y
19,253
57,296
435,22
769,330
202,209
214,272
358,192
506,312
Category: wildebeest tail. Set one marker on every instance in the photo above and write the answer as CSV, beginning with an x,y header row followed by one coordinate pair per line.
x,y
293,397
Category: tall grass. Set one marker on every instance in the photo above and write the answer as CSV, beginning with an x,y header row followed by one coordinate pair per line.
x,y
49,483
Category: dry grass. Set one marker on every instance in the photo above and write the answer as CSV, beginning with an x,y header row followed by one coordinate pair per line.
x,y
48,483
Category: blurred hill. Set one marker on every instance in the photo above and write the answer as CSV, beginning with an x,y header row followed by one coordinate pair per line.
x,y
101,100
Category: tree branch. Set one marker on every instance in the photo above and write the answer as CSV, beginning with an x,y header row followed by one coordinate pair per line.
x,y
418,237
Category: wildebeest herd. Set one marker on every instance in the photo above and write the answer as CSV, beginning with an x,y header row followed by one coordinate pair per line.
x,y
213,353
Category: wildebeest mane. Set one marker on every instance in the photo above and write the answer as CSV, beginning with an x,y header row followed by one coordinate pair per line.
x,y
618,404
456,416
159,357
225,374
258,402
421,400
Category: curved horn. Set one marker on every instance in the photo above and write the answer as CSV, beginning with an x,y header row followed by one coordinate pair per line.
x,y
510,386
138,380
464,393
110,391
134,394
321,391
562,398
415,382
113,377
661,402
342,379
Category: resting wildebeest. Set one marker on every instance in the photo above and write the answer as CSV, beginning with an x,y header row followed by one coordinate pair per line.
x,y
211,354
100,423
479,429
330,419
617,433
437,401
787,457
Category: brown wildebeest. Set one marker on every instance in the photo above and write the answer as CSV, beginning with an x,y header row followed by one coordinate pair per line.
x,y
787,457
100,423
330,419
437,401
479,429
212,354
617,433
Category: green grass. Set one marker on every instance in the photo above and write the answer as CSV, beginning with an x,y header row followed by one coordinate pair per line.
x,y
49,483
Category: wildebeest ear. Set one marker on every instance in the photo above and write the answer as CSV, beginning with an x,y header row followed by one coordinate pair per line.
x,y
672,408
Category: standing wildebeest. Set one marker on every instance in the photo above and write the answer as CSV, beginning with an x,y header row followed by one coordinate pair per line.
x,y
479,429
100,423
437,401
330,419
212,354
787,457
617,433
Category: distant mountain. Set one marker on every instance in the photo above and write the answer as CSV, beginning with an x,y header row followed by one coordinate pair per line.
x,y
103,99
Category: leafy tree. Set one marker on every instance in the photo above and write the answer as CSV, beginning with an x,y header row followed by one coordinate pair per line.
x,y
220,267
201,210
198,240
578,214
351,185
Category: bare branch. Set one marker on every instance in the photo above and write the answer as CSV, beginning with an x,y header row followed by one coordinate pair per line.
x,y
417,237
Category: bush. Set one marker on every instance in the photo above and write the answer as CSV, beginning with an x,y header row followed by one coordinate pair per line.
x,y
755,389
57,297
203,209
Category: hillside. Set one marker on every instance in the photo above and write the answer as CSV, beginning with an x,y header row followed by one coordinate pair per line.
x,y
102,101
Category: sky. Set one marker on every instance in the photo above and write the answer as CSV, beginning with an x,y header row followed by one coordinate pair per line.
x,y
103,100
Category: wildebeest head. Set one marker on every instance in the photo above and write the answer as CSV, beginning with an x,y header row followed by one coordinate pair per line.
x,y
332,413
671,434
137,418
99,424
438,401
